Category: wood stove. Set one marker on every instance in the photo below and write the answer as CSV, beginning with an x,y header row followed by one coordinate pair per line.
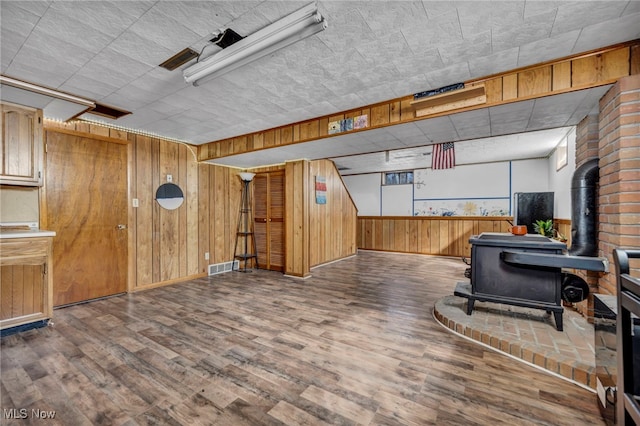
x,y
522,271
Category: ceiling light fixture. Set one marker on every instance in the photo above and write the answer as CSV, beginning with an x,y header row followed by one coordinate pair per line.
x,y
301,24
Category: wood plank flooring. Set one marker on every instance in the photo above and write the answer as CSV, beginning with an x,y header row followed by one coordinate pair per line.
x,y
354,344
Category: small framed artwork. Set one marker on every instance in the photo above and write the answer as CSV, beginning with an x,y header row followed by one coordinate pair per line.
x,y
321,190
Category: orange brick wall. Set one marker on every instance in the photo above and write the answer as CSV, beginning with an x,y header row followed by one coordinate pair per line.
x,y
619,153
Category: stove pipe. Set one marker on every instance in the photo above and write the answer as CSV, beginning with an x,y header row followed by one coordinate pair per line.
x,y
583,209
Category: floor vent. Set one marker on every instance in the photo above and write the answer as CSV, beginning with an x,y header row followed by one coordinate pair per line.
x,y
219,268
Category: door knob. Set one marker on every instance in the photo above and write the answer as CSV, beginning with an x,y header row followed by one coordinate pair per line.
x,y
121,227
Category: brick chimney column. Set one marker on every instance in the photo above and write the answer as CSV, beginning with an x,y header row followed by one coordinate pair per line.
x,y
619,153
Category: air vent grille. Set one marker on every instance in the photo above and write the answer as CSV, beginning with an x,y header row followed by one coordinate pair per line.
x,y
179,58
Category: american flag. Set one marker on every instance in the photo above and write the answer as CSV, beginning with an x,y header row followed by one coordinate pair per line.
x,y
444,156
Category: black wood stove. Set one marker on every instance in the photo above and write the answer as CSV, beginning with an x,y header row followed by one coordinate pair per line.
x,y
525,271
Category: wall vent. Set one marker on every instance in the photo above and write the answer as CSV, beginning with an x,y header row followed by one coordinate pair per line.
x,y
220,268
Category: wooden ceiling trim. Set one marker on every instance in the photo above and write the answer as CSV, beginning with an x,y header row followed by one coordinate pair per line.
x,y
583,71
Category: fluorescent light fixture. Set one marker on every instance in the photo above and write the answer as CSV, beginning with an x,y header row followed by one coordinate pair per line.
x,y
45,91
301,24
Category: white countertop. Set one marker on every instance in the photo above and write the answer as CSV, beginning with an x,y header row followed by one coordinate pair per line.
x,y
25,233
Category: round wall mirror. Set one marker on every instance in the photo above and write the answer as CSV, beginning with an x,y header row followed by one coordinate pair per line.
x,y
169,196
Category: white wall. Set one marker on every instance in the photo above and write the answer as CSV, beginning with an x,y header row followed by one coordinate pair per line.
x,y
475,189
560,180
365,192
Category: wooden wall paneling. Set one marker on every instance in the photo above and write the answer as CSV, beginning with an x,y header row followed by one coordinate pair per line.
x,y
132,213
379,115
323,126
561,76
192,201
601,67
378,234
395,111
309,130
332,225
615,64
634,60
285,135
155,237
413,232
220,212
493,90
183,210
204,215
234,199
424,235
534,81
168,223
509,86
268,138
297,218
144,212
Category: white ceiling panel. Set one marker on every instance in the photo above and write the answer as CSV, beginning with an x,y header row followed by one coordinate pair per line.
x,y
372,51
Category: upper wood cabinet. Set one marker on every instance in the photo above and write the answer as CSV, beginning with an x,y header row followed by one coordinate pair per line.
x,y
22,154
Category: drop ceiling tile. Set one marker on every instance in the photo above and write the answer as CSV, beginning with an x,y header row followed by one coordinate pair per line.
x,y
548,112
141,49
547,49
37,7
9,46
600,34
418,63
152,26
87,87
444,29
23,97
114,67
101,16
37,66
392,46
202,17
75,56
58,25
527,31
490,64
353,30
382,16
574,15
17,19
473,47
472,124
452,74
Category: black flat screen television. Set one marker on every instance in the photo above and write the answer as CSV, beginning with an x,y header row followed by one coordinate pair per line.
x,y
531,206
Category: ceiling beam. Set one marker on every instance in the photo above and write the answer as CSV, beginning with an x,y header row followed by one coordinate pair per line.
x,y
577,72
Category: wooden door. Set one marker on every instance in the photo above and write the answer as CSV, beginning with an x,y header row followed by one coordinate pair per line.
x,y
268,195
86,205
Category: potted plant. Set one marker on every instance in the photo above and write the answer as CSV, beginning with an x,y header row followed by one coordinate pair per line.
x,y
544,227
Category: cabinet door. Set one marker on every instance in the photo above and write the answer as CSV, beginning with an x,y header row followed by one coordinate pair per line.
x,y
21,154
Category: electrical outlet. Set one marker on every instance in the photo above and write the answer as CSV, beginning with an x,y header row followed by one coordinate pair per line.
x,y
135,202
206,256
